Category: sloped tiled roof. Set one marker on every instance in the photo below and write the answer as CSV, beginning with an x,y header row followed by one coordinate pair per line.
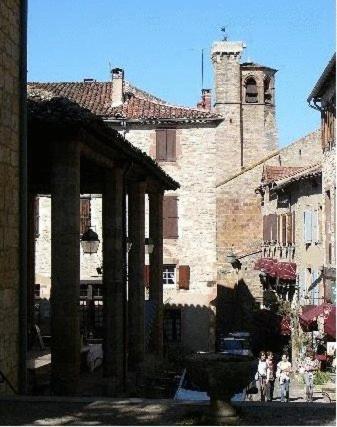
x,y
57,112
274,173
305,173
138,104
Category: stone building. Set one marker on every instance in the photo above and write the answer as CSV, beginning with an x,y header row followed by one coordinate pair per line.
x,y
199,147
323,98
12,176
217,155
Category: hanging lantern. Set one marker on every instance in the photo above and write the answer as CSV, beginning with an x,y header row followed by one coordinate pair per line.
x,y
149,245
231,257
90,242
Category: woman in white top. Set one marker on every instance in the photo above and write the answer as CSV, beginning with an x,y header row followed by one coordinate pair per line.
x,y
282,373
261,374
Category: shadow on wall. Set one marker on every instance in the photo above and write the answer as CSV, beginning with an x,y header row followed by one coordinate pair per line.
x,y
190,327
238,310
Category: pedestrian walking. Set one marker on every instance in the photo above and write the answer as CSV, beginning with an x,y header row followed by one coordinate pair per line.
x,y
270,379
283,374
310,366
261,374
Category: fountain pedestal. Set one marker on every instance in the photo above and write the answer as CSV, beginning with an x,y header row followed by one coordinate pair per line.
x,y
222,375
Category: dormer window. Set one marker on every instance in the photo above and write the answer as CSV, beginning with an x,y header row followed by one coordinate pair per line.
x,y
251,90
267,91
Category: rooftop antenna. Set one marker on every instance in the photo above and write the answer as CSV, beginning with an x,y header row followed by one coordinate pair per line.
x,y
110,69
223,29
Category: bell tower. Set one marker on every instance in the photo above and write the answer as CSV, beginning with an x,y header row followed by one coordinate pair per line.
x,y
245,98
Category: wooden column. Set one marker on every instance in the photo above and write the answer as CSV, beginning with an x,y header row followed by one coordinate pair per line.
x,y
136,293
113,279
65,267
156,269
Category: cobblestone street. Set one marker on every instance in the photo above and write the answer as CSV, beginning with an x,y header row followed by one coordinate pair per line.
x,y
39,411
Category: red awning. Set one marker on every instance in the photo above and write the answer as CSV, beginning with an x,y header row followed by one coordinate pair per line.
x,y
286,270
330,323
267,265
257,264
310,314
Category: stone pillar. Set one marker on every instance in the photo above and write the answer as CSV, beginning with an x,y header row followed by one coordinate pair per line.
x,y
65,267
113,279
136,292
156,269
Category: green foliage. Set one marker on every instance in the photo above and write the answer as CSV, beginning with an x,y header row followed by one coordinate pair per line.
x,y
321,378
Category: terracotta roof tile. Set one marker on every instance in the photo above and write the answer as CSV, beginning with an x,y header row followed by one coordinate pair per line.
x,y
274,173
138,104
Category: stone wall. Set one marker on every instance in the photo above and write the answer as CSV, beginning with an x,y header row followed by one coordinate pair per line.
x,y
329,183
9,190
239,219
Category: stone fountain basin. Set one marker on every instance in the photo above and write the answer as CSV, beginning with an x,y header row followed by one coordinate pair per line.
x,y
222,375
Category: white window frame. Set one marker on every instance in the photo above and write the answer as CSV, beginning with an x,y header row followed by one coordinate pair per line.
x,y
166,268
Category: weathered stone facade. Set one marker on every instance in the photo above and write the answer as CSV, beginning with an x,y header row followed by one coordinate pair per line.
x,y
219,159
9,190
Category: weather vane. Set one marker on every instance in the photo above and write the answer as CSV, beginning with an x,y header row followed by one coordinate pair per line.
x,y
223,29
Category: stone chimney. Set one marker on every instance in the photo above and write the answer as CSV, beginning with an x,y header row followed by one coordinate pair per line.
x,y
206,100
117,95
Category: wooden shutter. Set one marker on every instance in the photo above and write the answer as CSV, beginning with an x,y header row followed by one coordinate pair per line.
x,y
161,153
289,229
171,145
293,226
302,287
273,220
36,217
314,226
307,227
184,277
284,230
85,217
170,217
279,229
147,276
265,230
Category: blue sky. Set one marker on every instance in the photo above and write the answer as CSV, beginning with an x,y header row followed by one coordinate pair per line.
x,y
159,43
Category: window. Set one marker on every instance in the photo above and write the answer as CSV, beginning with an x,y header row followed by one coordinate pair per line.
x,y
36,217
283,200
169,275
312,226
314,288
37,290
172,325
83,291
166,145
267,91
251,90
85,214
170,217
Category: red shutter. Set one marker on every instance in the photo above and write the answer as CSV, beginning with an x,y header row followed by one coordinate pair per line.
x,y
170,217
265,233
278,228
147,276
284,229
289,229
184,277
84,215
161,152
171,145
273,219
